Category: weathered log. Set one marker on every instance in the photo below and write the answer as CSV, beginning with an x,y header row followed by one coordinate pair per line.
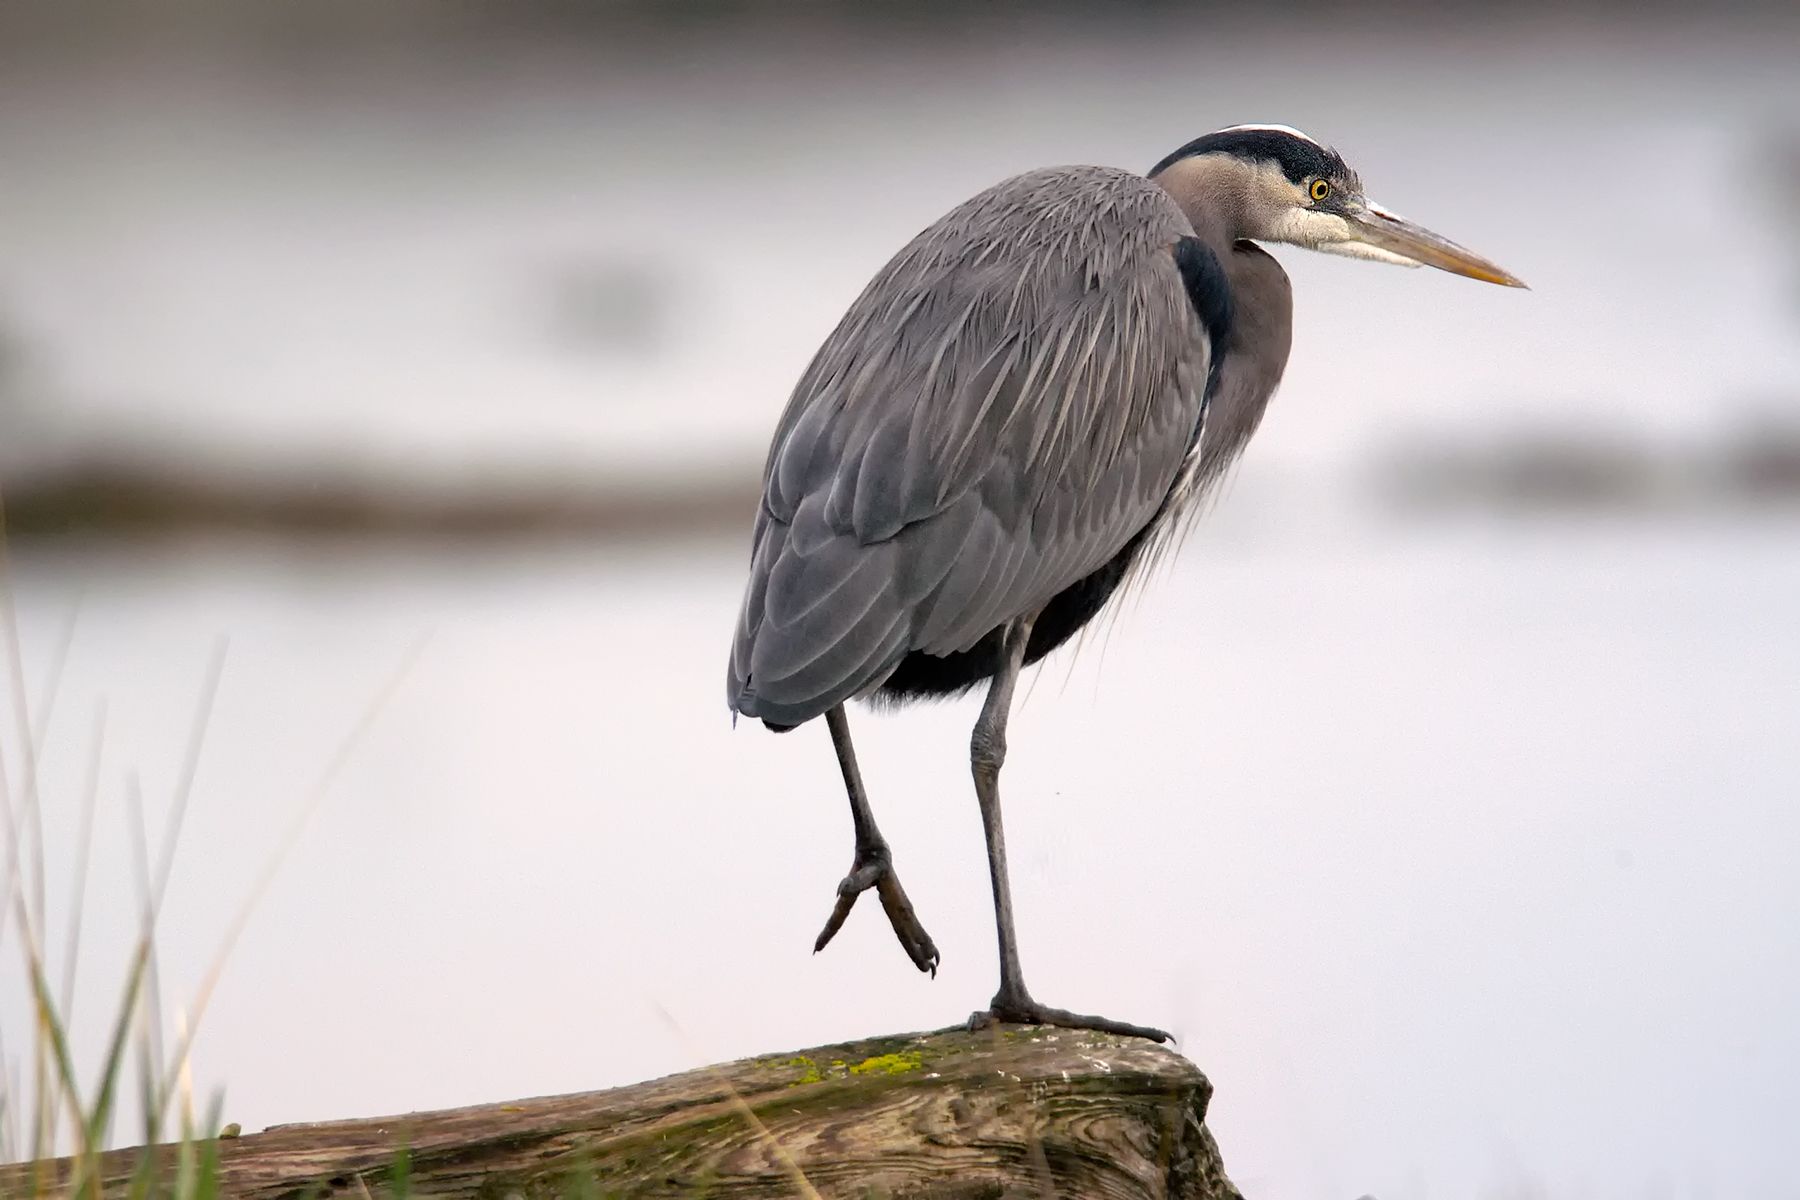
x,y
1007,1111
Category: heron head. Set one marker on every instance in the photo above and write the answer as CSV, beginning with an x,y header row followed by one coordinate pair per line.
x,y
1272,183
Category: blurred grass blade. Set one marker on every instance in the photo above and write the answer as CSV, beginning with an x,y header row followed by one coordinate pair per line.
x,y
59,661
31,818
84,846
400,1178
149,1009
100,1116
797,1177
190,767
53,1038
206,1182
291,837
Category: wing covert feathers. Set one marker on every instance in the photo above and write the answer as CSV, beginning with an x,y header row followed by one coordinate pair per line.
x,y
1004,407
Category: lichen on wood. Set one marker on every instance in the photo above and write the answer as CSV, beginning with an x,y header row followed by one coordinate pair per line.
x,y
1007,1111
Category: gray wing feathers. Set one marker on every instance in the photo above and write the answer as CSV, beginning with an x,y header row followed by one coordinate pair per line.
x,y
1006,404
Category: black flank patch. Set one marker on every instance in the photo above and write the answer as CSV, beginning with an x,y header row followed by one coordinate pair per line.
x,y
922,676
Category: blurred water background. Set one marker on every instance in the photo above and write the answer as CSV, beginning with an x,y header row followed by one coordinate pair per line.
x,y
1441,795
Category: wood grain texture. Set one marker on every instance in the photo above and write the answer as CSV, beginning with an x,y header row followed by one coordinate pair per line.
x,y
1003,1112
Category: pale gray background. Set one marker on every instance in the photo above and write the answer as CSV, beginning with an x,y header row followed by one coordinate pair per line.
x,y
1459,847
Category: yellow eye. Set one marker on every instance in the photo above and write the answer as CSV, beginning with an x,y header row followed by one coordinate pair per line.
x,y
1320,189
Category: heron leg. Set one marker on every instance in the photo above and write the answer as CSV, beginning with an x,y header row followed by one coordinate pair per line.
x,y
987,752
873,866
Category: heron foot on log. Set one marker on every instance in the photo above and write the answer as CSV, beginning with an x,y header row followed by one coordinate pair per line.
x,y
1018,1008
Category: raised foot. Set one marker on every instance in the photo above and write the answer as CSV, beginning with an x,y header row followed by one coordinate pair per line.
x,y
1029,1012
874,868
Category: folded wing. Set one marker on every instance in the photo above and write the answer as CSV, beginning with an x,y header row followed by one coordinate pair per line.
x,y
1004,407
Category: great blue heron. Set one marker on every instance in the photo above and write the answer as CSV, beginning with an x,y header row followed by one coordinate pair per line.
x,y
1014,416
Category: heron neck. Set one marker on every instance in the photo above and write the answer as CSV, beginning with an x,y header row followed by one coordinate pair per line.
x,y
1213,191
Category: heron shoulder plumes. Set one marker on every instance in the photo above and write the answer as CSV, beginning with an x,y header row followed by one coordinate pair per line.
x,y
1015,414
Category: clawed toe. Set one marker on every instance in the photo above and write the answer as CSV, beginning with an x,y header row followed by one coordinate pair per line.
x,y
1027,1011
874,869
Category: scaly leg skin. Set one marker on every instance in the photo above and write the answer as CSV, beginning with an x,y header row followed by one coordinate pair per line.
x,y
873,866
987,751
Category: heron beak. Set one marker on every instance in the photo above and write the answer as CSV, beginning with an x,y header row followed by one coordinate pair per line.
x,y
1376,226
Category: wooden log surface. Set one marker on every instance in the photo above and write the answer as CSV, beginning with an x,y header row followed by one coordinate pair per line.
x,y
1009,1111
